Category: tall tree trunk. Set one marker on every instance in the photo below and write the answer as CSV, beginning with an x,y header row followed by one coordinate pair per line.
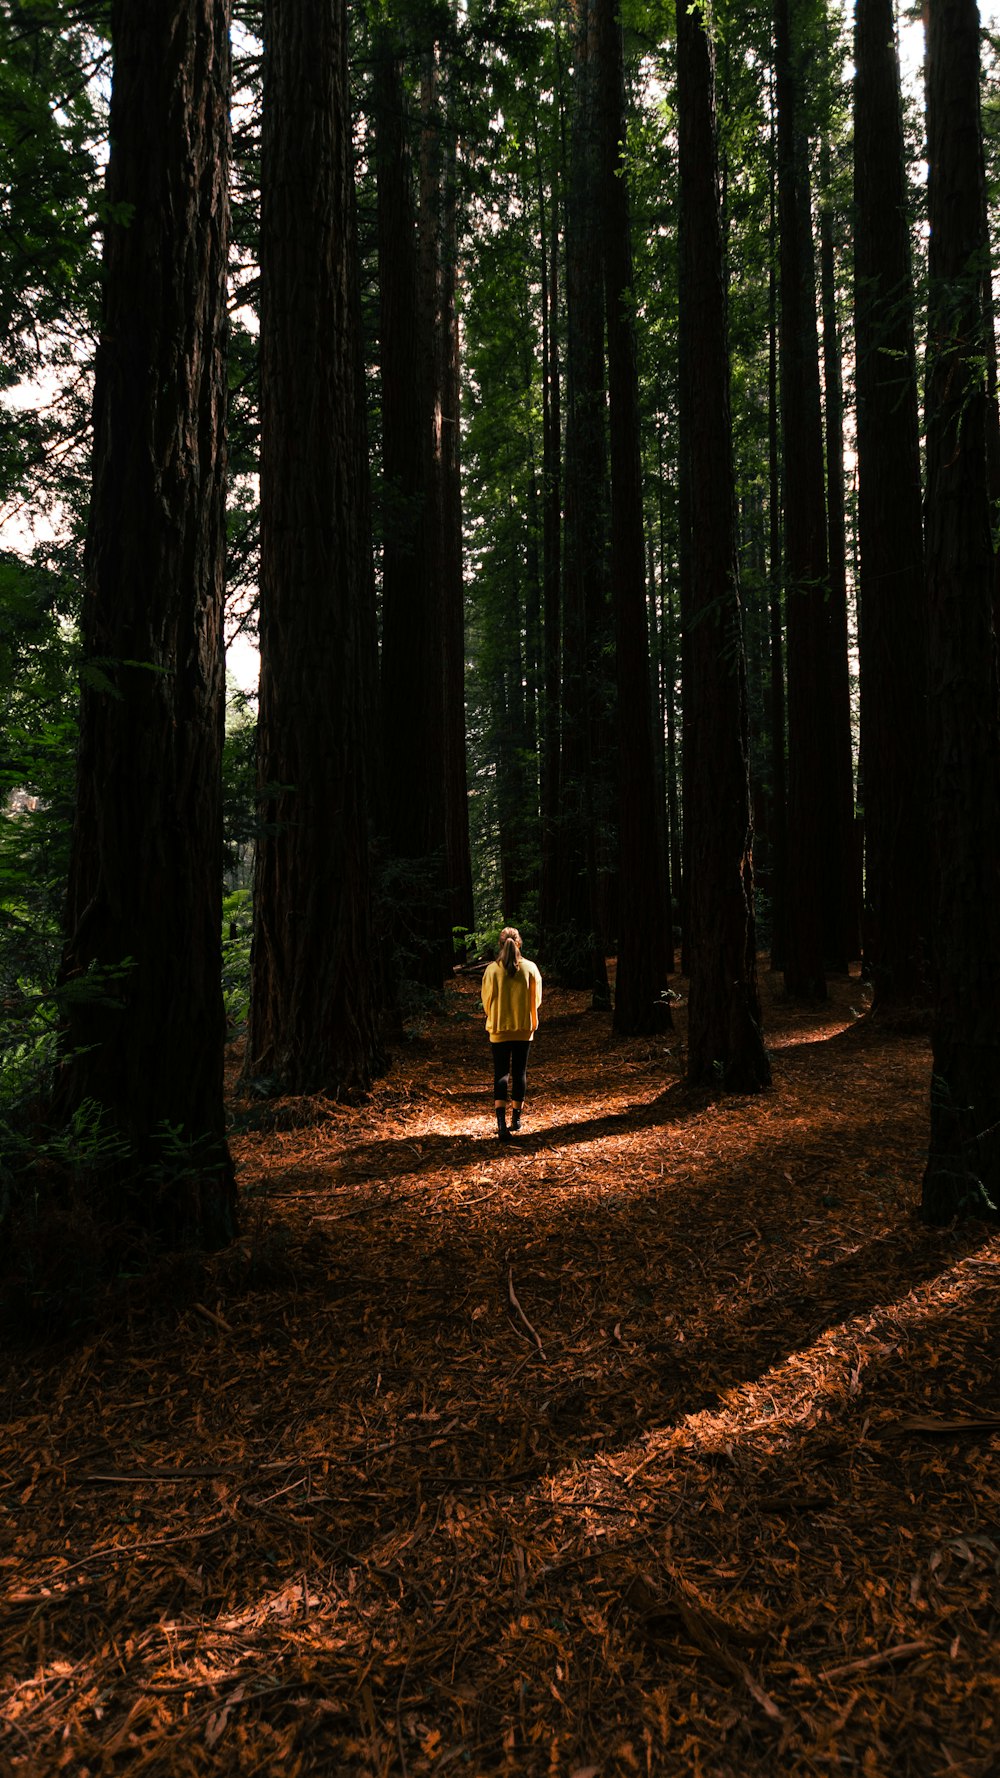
x,y
314,1005
993,406
551,549
145,880
843,910
515,794
671,763
644,903
657,621
685,596
668,680
892,612
963,1166
778,836
806,565
459,858
532,631
724,1037
578,923
413,628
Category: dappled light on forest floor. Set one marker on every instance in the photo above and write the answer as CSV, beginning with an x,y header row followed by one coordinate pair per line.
x,y
663,1441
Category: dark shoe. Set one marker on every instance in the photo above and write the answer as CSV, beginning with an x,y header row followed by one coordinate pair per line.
x,y
502,1130
515,1118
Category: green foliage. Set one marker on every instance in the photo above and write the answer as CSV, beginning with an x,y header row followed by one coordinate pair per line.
x,y
565,950
37,765
409,920
52,60
86,1144
239,787
54,63
484,943
68,1239
237,931
28,1045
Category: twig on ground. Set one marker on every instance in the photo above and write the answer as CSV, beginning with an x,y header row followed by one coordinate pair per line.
x,y
515,1305
887,1657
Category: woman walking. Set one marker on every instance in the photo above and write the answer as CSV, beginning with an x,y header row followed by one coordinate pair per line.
x,y
512,994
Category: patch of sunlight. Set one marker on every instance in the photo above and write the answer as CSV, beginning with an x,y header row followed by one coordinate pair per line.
x,y
812,1383
820,1031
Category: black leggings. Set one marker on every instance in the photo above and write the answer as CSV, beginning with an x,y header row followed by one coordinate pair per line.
x,y
509,1057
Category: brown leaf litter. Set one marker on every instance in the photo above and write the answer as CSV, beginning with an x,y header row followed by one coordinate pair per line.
x,y
661,1441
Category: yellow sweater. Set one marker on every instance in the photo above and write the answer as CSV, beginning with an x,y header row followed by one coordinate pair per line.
x,y
511,1002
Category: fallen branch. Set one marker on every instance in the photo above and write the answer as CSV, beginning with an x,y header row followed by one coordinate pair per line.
x,y
760,1696
904,1651
937,1426
218,1321
118,1553
647,1460
161,1475
512,1294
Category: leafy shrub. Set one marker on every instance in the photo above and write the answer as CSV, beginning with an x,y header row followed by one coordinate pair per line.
x,y
237,931
239,788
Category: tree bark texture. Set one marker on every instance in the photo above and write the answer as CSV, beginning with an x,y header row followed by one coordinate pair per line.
x,y
668,690
578,934
459,858
810,786
314,1015
892,609
515,792
551,544
963,1166
843,908
413,623
145,883
657,602
777,835
725,1046
685,604
643,966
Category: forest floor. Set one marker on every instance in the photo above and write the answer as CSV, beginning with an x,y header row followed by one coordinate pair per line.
x,y
662,1441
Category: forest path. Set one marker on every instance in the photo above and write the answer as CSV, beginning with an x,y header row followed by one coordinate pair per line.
x,y
628,1447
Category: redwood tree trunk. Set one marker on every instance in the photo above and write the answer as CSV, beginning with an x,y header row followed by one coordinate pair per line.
x,y
644,925
459,859
578,934
515,792
145,884
314,1004
963,1166
724,1038
810,794
551,548
843,899
892,628
777,836
413,628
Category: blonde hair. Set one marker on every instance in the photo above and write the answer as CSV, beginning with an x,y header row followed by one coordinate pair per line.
x,y
509,955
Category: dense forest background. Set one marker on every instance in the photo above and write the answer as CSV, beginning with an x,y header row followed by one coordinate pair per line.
x,y
590,412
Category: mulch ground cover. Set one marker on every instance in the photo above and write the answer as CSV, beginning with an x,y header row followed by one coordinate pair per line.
x,y
663,1440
